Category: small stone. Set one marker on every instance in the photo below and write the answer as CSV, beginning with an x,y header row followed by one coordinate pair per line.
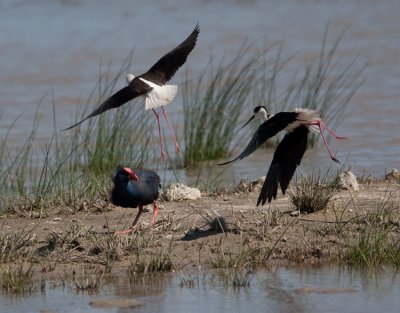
x,y
192,230
243,185
295,213
332,239
259,182
35,215
57,219
393,175
169,236
348,181
246,186
179,191
284,239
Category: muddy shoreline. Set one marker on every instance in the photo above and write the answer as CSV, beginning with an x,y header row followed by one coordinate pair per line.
x,y
223,230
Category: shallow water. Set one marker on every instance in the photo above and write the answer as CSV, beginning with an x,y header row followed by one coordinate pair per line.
x,y
56,47
312,289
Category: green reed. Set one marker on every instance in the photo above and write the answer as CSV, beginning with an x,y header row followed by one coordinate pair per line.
x,y
257,75
375,244
75,166
213,103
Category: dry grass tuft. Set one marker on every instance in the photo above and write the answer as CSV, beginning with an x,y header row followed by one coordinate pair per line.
x,y
17,278
314,192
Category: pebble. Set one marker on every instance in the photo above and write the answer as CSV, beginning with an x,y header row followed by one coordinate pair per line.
x,y
393,175
295,213
348,181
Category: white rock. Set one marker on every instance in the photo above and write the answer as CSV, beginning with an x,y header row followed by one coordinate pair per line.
x,y
295,213
348,180
393,175
179,191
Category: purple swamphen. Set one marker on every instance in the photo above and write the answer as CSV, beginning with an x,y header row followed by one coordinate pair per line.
x,y
134,189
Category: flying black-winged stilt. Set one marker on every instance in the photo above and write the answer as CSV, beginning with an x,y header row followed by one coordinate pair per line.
x,y
134,189
152,85
290,150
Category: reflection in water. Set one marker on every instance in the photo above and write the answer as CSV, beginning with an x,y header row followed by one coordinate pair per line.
x,y
317,289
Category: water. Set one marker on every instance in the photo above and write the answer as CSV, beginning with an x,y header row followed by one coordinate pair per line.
x,y
318,289
56,47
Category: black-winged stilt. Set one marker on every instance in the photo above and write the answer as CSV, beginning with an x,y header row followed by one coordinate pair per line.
x,y
290,150
134,189
152,85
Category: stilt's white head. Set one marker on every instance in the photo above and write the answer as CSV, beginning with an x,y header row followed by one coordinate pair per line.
x,y
260,111
129,78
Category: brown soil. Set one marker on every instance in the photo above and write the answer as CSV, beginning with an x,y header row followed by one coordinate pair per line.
x,y
189,233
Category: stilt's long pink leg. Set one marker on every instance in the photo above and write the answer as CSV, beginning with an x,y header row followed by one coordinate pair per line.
x,y
332,132
171,131
155,213
163,155
318,123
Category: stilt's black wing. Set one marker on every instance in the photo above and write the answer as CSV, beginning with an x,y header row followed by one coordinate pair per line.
x,y
159,73
286,158
266,130
166,67
119,98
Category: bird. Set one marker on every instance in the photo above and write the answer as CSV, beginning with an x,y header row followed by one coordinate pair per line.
x,y
290,150
134,189
152,85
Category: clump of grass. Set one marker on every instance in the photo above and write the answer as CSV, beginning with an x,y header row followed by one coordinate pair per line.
x,y
327,84
89,279
237,278
314,192
52,241
17,278
375,244
153,261
72,171
15,245
188,280
213,103
265,221
235,256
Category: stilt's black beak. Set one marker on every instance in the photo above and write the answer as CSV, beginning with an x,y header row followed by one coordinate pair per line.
x,y
248,121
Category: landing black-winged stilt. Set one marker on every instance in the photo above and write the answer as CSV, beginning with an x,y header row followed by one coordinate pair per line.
x,y
134,189
290,150
152,85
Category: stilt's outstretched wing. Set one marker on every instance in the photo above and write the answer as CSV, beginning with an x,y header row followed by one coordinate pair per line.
x,y
159,74
287,157
266,130
166,67
119,98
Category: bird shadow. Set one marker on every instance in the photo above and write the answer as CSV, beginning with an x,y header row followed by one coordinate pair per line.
x,y
216,226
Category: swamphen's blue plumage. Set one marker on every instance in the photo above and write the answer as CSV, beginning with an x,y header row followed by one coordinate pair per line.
x,y
134,189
